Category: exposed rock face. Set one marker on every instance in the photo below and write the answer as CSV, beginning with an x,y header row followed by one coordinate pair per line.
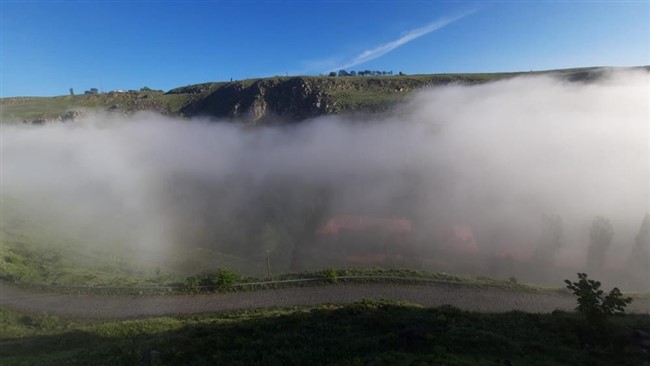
x,y
68,116
269,100
295,99
139,101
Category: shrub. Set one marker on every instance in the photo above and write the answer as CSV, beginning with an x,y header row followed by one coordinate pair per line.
x,y
192,284
331,275
592,304
224,278
43,321
220,280
601,234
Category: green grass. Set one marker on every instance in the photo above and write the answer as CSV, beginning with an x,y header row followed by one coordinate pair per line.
x,y
24,264
371,101
17,109
368,332
379,93
30,259
390,275
37,249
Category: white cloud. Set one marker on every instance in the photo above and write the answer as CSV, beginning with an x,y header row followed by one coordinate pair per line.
x,y
383,49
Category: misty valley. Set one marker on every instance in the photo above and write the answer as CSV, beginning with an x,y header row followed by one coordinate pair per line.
x,y
438,231
527,179
324,183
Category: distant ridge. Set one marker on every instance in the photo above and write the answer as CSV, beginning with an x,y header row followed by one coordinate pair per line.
x,y
266,100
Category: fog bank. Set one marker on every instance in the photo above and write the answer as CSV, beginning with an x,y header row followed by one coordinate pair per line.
x,y
486,161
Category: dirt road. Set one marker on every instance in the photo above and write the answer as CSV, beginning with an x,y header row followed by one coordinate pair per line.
x,y
120,307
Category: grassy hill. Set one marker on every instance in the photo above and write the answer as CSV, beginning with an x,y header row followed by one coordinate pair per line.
x,y
33,109
259,100
364,333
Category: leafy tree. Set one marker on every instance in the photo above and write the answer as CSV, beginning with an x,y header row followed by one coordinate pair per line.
x,y
639,262
343,73
550,241
551,238
224,278
642,240
592,304
332,73
601,234
353,73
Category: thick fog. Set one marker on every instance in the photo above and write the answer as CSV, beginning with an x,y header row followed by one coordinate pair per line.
x,y
500,179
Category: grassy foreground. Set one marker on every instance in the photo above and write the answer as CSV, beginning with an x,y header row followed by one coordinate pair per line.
x,y
365,333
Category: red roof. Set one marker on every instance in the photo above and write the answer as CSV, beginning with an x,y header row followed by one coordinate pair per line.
x,y
458,239
363,223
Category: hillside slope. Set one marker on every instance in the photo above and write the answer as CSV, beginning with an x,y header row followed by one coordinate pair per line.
x,y
257,101
298,98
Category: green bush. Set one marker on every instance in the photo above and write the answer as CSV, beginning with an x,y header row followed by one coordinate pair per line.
x,y
224,278
592,304
221,281
42,322
192,284
331,275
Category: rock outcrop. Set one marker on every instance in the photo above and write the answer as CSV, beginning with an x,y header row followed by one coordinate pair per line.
x,y
64,117
297,98
261,101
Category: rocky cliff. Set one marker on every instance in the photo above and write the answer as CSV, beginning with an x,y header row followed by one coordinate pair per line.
x,y
259,101
297,98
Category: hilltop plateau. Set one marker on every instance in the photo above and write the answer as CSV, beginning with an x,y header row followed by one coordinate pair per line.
x,y
258,101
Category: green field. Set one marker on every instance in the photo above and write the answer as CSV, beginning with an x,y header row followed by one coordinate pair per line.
x,y
365,333
18,109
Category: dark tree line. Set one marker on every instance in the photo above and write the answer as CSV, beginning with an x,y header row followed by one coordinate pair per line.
x,y
601,237
639,260
363,73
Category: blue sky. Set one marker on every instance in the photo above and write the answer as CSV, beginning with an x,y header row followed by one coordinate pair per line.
x,y
46,47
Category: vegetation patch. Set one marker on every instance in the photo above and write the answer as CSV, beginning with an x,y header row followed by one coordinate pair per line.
x,y
367,332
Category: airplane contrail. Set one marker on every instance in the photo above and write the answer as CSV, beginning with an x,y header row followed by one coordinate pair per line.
x,y
383,49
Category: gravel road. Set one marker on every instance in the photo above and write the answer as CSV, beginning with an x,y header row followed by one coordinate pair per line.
x,y
121,307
